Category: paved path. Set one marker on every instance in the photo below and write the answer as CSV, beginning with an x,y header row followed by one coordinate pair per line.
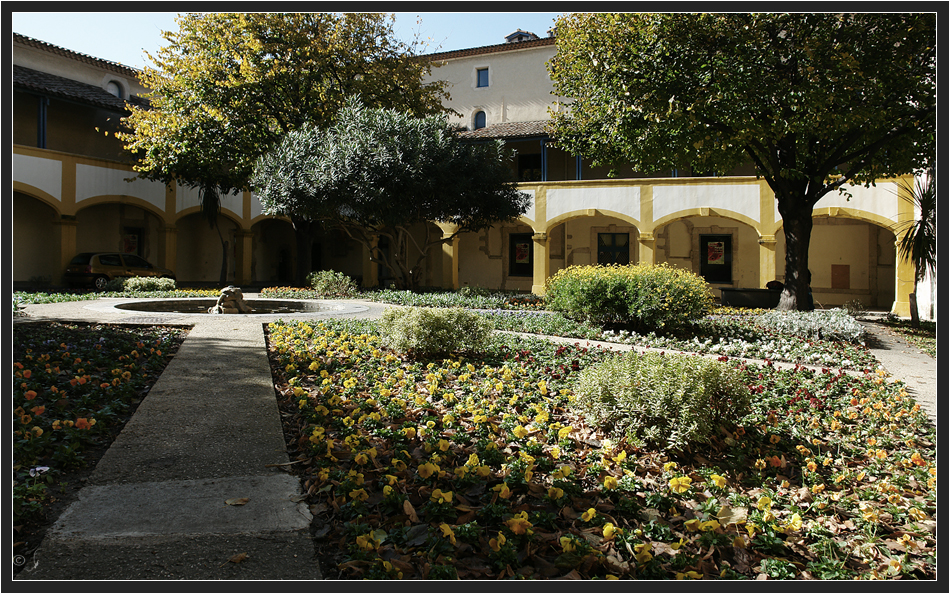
x,y
210,431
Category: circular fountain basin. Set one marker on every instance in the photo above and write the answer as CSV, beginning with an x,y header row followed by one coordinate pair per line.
x,y
258,306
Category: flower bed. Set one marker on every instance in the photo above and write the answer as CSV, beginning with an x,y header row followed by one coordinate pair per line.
x,y
72,386
479,467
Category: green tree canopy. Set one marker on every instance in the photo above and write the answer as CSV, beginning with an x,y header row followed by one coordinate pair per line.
x,y
386,173
814,101
227,86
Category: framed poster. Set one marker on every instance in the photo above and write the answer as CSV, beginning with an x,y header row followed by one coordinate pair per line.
x,y
716,252
716,258
520,254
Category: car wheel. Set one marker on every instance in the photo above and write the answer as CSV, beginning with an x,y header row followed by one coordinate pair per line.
x,y
100,282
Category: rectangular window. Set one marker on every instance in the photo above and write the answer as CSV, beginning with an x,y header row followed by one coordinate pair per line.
x,y
613,248
521,255
481,77
715,252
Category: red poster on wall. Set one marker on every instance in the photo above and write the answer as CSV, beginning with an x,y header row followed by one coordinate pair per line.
x,y
716,252
522,253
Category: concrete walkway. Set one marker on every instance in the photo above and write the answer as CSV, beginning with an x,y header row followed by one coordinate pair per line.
x,y
209,431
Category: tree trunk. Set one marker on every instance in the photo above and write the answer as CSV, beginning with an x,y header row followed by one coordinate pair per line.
x,y
797,226
223,276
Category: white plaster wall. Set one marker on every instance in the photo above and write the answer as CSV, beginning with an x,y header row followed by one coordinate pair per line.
x,y
94,181
44,174
881,200
739,198
519,85
625,200
530,213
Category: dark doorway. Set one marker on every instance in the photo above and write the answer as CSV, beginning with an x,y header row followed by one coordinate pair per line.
x,y
715,252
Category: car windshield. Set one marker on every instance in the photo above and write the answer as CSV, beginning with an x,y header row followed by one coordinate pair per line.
x,y
135,261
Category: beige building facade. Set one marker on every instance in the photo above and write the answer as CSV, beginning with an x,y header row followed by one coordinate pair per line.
x,y
74,191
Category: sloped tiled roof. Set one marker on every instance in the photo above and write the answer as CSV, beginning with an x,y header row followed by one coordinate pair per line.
x,y
490,49
65,88
55,49
507,130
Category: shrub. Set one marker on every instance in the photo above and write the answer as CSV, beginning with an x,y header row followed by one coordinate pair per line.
x,y
424,332
136,284
662,401
644,297
827,324
149,283
330,283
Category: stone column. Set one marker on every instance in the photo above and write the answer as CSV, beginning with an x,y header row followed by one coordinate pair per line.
x,y
244,242
168,247
767,245
903,269
66,238
542,265
647,248
450,257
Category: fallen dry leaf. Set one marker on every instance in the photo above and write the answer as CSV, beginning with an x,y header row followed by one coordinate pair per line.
x,y
237,501
235,559
410,511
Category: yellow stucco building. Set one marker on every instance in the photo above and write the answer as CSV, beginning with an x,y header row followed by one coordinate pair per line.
x,y
74,191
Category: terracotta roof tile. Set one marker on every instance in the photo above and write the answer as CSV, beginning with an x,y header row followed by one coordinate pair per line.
x,y
65,88
490,49
55,49
507,130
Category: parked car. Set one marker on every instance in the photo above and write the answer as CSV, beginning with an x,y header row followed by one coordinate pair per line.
x,y
96,269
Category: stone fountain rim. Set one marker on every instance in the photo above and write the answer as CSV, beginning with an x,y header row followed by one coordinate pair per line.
x,y
332,307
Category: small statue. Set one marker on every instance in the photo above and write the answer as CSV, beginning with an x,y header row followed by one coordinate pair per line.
x,y
231,301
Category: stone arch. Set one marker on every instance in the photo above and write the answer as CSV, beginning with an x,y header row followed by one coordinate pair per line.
x,y
113,224
692,213
274,251
105,199
199,247
36,239
593,212
38,194
679,240
852,256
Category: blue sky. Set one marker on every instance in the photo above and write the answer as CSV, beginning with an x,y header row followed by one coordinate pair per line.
x,y
122,36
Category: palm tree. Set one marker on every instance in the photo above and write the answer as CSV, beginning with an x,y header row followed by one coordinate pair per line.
x,y
211,207
919,241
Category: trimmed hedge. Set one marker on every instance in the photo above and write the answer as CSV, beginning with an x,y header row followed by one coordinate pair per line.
x,y
644,297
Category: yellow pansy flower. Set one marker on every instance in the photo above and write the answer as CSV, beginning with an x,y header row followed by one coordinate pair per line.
x,y
680,484
439,496
497,543
447,532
